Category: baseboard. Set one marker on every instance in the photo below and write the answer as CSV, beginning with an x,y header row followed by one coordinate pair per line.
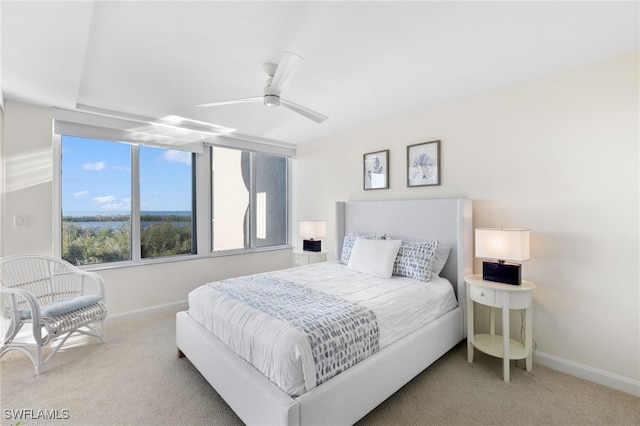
x,y
591,374
174,306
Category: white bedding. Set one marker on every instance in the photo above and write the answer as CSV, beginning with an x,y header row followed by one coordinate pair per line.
x,y
282,352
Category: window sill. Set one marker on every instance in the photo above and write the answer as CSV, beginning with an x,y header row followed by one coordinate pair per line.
x,y
180,258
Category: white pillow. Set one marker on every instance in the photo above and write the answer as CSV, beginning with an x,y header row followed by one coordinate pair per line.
x,y
374,257
349,241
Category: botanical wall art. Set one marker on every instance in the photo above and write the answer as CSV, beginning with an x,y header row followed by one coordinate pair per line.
x,y
423,164
376,170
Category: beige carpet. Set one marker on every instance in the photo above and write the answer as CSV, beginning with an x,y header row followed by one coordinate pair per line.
x,y
136,379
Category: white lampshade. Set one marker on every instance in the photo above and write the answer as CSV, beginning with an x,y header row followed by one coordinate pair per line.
x,y
312,229
502,244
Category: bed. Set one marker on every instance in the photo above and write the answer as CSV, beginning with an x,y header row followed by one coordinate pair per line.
x,y
351,394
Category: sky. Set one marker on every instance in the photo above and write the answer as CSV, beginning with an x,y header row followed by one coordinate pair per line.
x,y
96,177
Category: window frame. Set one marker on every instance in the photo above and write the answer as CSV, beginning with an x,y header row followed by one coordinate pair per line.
x,y
201,210
253,199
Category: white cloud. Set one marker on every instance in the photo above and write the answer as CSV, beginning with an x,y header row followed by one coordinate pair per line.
x,y
94,166
80,194
109,202
104,199
172,156
116,206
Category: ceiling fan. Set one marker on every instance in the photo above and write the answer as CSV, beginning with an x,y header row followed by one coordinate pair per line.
x,y
278,75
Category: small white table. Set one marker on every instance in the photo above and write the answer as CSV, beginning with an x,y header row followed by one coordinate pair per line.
x,y
506,297
302,257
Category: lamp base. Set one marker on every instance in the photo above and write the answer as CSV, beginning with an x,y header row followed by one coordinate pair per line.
x,y
311,245
500,272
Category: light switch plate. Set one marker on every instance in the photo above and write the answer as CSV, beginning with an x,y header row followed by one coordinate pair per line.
x,y
19,220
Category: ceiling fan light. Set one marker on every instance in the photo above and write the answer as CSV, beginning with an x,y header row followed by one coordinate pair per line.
x,y
271,100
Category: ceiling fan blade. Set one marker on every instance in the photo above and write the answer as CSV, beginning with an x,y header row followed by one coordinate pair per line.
x,y
288,66
307,112
232,101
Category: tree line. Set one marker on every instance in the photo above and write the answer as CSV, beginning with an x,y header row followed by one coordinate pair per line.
x,y
125,218
88,245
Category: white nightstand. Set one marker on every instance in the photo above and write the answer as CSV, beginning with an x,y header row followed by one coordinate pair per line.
x,y
506,297
301,257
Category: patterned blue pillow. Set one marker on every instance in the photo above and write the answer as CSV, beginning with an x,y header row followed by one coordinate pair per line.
x,y
350,239
415,260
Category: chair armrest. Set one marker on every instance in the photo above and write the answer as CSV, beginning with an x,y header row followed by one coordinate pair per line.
x,y
94,279
34,306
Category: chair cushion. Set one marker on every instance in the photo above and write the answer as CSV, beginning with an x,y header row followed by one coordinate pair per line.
x,y
64,306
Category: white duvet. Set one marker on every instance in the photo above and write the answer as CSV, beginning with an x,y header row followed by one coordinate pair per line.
x,y
282,352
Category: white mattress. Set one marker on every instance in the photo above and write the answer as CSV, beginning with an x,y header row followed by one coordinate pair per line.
x,y
282,352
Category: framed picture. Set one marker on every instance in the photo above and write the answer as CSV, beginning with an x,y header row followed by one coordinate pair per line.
x,y
423,164
376,170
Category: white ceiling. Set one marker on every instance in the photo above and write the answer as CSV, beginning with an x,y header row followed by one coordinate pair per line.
x,y
364,61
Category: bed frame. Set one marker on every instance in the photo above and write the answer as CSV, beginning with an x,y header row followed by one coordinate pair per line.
x,y
349,396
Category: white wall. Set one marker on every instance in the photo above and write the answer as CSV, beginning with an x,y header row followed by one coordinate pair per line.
x,y
27,172
558,156
2,195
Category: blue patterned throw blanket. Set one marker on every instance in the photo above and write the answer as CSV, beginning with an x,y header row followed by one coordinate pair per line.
x,y
341,333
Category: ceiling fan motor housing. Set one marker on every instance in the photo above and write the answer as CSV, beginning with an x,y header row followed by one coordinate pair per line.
x,y
271,100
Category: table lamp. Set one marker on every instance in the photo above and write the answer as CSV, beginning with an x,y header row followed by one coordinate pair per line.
x,y
502,244
312,229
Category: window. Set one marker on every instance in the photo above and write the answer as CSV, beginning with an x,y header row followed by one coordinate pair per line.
x,y
249,194
96,201
135,189
166,219
100,197
230,195
271,200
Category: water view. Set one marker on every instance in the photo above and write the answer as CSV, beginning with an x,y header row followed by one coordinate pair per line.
x,y
100,220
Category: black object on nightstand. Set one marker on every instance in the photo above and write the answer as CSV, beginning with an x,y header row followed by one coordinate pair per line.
x,y
501,272
311,245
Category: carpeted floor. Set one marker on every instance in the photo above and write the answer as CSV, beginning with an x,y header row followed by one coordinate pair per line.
x,y
136,379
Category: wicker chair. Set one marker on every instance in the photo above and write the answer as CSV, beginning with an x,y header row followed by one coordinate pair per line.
x,y
48,295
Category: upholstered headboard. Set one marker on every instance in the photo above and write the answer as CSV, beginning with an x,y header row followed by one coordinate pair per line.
x,y
448,220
